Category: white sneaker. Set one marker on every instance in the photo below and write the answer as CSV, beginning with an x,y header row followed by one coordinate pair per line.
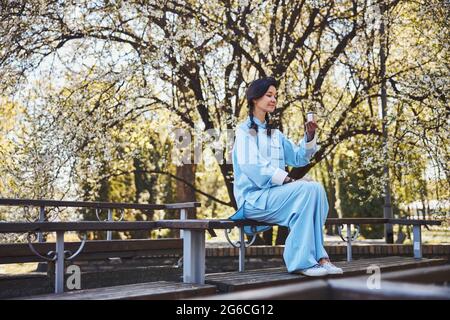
x,y
331,268
315,271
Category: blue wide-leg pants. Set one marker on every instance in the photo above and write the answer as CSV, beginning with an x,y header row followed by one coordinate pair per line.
x,y
302,206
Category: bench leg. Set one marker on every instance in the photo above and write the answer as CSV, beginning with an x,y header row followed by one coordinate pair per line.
x,y
183,216
41,219
241,250
349,243
59,263
417,241
110,218
194,256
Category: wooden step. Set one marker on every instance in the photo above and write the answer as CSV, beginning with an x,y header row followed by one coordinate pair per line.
x,y
427,283
139,291
235,281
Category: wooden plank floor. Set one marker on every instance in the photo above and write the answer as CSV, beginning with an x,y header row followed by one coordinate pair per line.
x,y
427,283
235,281
139,291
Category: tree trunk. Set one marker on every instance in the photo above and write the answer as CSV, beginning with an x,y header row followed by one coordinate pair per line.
x,y
104,196
298,173
387,210
281,235
227,172
142,183
331,188
267,236
185,193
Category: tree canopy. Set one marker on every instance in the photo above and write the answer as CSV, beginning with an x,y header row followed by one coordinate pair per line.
x,y
94,91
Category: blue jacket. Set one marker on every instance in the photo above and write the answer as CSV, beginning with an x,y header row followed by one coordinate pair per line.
x,y
259,163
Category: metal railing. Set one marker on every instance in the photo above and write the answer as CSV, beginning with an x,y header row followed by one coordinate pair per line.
x,y
95,205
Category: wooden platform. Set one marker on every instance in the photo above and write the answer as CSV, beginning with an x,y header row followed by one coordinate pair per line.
x,y
140,291
236,281
279,282
426,283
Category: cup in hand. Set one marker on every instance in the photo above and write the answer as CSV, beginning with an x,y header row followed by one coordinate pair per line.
x,y
310,116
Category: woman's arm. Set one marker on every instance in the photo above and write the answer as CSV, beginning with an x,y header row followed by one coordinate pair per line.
x,y
298,155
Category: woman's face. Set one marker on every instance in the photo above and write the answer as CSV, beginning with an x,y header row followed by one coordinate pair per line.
x,y
268,102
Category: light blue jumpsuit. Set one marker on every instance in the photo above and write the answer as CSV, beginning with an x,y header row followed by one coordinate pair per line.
x,y
258,162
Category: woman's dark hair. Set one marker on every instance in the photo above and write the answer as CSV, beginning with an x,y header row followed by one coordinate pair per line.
x,y
256,90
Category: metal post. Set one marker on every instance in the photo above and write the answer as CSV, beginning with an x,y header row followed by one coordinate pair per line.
x,y
241,250
40,236
417,241
59,263
349,242
183,216
110,218
194,256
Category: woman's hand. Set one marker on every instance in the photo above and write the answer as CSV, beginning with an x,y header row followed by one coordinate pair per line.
x,y
288,180
311,127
